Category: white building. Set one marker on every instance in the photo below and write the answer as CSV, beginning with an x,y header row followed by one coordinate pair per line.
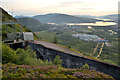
x,y
20,36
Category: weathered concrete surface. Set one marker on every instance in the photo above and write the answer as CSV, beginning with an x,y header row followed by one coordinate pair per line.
x,y
57,47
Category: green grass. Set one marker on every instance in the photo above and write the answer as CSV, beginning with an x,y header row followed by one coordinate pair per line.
x,y
47,36
66,39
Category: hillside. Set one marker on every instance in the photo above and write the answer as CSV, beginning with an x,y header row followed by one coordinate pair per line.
x,y
29,21
112,16
87,16
62,18
5,16
34,24
51,72
11,28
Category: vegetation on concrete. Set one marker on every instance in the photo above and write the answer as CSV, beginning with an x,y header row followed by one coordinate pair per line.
x,y
57,61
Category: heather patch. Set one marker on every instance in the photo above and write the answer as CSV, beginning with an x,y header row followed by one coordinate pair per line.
x,y
11,70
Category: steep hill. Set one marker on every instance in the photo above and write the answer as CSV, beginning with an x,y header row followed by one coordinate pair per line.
x,y
5,17
62,18
33,24
29,21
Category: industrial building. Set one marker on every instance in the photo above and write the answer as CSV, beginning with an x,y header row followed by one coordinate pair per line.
x,y
87,37
19,36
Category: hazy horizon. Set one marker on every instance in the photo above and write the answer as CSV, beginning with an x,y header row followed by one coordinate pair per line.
x,y
71,7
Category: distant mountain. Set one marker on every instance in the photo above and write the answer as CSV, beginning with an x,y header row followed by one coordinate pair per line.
x,y
29,22
87,16
19,16
62,18
113,16
33,24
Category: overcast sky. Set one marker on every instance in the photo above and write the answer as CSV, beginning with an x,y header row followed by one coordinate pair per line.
x,y
73,7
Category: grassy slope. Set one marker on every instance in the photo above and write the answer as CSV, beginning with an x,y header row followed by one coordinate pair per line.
x,y
8,18
25,71
34,24
5,16
65,39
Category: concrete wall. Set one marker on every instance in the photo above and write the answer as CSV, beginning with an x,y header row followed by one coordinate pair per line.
x,y
71,61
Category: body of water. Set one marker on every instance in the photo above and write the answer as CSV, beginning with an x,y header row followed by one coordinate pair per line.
x,y
98,23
